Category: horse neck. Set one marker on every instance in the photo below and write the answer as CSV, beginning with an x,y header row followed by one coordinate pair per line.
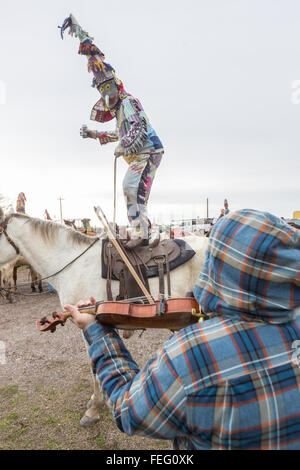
x,y
45,256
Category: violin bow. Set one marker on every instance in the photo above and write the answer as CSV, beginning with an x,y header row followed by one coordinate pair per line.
x,y
121,252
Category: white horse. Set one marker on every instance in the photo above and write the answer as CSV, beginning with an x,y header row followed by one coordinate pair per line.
x,y
49,247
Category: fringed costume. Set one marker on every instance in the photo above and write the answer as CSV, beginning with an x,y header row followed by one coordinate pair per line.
x,y
138,142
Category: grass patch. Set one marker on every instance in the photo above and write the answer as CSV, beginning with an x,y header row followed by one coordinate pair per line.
x,y
4,424
49,420
16,434
12,416
52,444
82,386
8,392
100,441
36,411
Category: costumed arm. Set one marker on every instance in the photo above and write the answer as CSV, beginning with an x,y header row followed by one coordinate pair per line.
x,y
107,137
104,137
148,402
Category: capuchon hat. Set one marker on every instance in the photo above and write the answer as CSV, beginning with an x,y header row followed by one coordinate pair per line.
x,y
102,71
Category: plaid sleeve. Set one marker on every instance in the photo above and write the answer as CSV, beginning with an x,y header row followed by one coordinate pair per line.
x,y
148,402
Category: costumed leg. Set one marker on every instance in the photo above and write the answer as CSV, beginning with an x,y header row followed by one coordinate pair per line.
x,y
131,184
144,189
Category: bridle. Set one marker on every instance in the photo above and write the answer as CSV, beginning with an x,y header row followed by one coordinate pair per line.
x,y
3,227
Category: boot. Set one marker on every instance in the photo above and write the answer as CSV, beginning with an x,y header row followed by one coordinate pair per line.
x,y
139,238
134,243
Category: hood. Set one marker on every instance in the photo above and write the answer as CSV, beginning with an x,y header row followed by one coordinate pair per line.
x,y
251,268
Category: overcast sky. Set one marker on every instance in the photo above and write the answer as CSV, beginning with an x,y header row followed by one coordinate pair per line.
x,y
215,78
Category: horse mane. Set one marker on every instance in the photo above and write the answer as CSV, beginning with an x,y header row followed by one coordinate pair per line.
x,y
49,230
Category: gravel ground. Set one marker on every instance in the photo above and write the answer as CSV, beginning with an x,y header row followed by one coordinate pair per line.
x,y
46,382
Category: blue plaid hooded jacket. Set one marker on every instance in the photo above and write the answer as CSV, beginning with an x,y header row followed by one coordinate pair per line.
x,y
233,381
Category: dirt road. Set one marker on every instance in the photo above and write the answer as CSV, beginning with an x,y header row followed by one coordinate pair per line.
x,y
46,382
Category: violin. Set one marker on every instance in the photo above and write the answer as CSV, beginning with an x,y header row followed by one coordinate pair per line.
x,y
172,314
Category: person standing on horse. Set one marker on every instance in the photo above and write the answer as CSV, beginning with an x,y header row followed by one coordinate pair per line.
x,y
138,142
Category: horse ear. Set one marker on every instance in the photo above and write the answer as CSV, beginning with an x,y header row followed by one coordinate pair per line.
x,y
5,206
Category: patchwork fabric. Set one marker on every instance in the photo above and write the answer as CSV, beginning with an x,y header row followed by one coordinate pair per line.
x,y
136,134
137,186
233,381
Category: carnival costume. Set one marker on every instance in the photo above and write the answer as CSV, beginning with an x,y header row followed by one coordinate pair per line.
x,y
20,206
138,142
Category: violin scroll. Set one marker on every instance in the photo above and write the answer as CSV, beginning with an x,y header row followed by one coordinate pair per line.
x,y
50,324
45,324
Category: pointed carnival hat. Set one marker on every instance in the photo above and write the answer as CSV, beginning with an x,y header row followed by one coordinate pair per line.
x,y
101,70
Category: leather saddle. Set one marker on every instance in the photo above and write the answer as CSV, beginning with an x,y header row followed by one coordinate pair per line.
x,y
167,255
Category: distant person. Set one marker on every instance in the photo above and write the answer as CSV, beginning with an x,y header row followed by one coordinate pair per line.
x,y
233,381
21,201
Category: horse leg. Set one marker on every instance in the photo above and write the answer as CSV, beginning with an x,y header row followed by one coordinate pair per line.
x,y
33,279
6,281
8,294
96,402
15,275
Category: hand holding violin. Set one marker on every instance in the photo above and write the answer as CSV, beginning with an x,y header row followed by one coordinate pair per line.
x,y
82,320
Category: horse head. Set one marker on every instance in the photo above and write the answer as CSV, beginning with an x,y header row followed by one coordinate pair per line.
x,y
6,205
8,250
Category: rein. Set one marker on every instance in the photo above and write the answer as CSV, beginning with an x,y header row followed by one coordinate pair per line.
x,y
73,260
